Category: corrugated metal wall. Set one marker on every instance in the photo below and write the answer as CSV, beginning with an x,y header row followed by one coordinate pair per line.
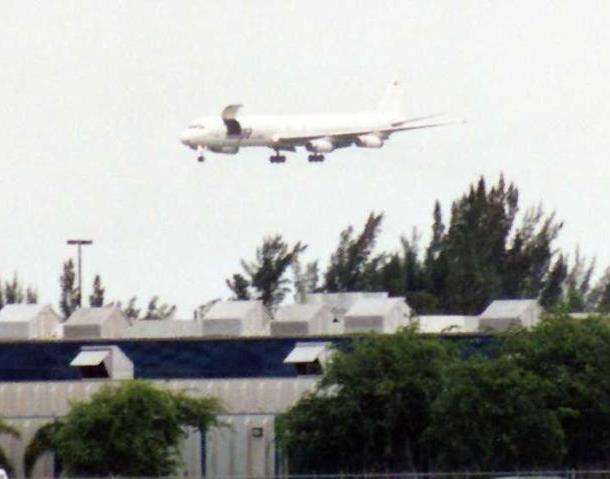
x,y
235,449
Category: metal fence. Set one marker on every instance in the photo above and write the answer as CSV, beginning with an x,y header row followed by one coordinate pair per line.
x,y
561,474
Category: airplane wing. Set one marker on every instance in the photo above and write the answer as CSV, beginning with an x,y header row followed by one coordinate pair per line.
x,y
347,138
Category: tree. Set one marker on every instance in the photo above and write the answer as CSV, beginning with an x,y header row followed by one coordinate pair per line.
x,y
305,282
13,291
266,274
7,429
96,299
130,430
352,263
492,415
156,310
552,291
130,310
31,295
240,287
70,295
371,408
574,357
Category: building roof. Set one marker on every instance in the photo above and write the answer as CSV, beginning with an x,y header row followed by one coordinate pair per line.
x,y
373,306
164,328
91,315
21,313
297,312
507,308
231,309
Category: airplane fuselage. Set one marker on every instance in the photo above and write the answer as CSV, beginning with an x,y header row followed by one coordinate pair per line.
x,y
266,130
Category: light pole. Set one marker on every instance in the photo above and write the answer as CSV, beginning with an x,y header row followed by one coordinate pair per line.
x,y
80,243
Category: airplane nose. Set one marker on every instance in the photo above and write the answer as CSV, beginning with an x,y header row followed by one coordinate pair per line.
x,y
186,137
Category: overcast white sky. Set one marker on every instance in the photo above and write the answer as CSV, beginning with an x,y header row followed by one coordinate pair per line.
x,y
94,94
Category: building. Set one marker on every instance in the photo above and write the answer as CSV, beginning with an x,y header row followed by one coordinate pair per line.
x,y
380,315
236,318
503,314
255,379
94,323
29,321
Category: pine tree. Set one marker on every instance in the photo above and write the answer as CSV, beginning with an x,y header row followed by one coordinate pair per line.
x,y
352,266
305,282
96,299
31,295
13,291
70,296
552,291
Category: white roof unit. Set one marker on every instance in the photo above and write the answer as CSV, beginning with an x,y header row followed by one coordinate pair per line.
x,y
305,319
28,321
502,314
508,308
382,315
236,318
85,323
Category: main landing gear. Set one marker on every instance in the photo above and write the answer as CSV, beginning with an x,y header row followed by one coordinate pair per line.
x,y
277,158
200,157
315,158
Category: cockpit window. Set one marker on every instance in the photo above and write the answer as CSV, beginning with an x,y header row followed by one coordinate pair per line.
x,y
197,125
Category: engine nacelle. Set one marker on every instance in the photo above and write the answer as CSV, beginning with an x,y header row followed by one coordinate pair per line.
x,y
369,141
227,150
321,145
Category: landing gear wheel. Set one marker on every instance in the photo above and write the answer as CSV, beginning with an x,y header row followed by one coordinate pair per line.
x,y
315,158
200,158
277,159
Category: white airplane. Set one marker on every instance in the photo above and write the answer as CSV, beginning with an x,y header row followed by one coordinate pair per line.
x,y
317,133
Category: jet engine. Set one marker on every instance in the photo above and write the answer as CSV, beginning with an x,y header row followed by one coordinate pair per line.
x,y
321,145
369,141
227,149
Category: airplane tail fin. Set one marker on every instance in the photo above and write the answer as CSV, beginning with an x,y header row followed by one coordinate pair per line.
x,y
392,99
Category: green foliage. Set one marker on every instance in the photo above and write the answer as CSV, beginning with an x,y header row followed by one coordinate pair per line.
x,y
96,299
574,356
129,430
240,287
130,309
5,463
378,407
13,291
352,263
156,310
539,399
266,275
493,415
70,295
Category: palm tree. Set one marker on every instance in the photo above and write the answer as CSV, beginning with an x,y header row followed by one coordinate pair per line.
x,y
6,428
41,442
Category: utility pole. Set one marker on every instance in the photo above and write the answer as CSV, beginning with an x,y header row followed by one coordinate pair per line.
x,y
80,243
